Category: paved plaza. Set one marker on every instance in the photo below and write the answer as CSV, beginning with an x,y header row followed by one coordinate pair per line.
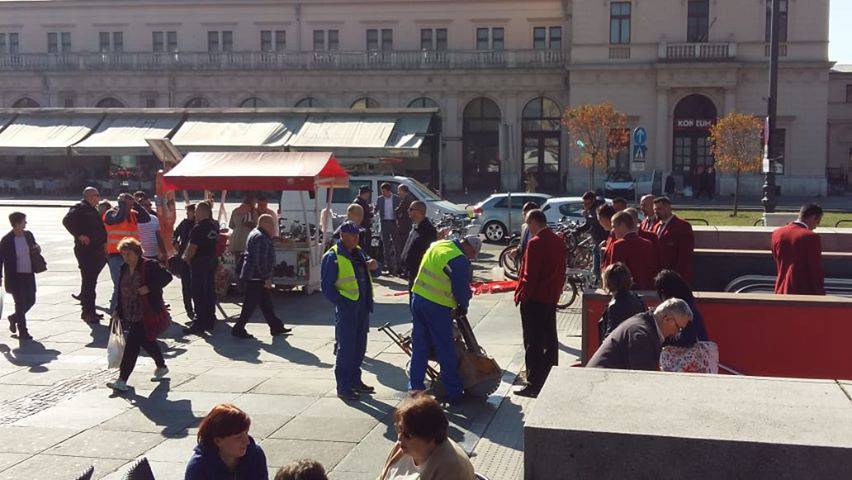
x,y
57,417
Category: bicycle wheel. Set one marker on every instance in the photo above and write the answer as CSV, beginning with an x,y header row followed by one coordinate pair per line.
x,y
569,294
509,262
583,259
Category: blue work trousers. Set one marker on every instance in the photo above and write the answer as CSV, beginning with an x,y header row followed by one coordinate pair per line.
x,y
351,325
114,261
433,328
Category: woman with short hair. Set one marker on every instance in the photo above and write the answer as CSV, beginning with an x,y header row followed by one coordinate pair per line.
x,y
423,451
225,451
16,252
618,281
670,284
140,290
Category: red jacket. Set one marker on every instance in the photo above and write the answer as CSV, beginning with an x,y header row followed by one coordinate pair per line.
x,y
651,237
798,256
676,246
648,225
542,277
640,256
606,254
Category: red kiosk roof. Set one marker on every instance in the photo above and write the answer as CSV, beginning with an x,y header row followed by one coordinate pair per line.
x,y
256,171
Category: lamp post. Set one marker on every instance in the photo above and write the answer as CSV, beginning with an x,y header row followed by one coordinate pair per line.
x,y
769,201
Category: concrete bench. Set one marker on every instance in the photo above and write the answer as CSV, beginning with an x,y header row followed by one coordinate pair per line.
x,y
611,424
759,238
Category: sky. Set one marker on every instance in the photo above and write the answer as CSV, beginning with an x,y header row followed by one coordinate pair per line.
x,y
840,32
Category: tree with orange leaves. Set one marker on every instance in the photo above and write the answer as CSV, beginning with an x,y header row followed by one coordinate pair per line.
x,y
736,144
600,131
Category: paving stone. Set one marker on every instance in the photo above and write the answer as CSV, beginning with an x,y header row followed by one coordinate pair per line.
x,y
336,408
12,392
161,470
220,383
289,386
255,403
56,467
317,428
280,452
79,418
107,444
18,439
9,459
48,377
173,449
165,422
263,425
368,457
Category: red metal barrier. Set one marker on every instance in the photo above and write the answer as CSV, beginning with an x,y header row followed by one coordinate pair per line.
x,y
764,335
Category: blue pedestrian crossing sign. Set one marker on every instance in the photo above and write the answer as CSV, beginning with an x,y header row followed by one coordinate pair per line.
x,y
640,150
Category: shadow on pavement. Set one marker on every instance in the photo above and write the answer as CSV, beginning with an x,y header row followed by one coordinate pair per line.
x,y
30,354
175,416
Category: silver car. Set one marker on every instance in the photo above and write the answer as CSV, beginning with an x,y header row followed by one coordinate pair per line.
x,y
495,218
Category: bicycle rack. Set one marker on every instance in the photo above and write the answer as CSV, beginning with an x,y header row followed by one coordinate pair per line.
x,y
837,225
693,220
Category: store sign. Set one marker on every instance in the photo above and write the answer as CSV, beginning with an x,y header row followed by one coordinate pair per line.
x,y
693,123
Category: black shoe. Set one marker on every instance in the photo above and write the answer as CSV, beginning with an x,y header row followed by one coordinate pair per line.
x,y
349,396
13,325
282,330
241,333
528,391
190,314
193,330
364,388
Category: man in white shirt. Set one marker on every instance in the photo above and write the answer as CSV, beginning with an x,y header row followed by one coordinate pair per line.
x,y
149,233
386,211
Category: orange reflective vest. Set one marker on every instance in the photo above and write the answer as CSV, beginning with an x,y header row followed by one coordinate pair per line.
x,y
128,228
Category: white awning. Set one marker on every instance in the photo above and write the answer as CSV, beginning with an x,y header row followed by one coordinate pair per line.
x,y
126,134
231,132
347,137
32,134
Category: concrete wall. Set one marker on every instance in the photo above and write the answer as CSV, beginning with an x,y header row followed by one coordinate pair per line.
x,y
610,424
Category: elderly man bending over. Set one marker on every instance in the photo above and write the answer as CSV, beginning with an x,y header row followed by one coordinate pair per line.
x,y
637,342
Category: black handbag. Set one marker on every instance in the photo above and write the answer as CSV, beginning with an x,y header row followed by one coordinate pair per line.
x,y
39,264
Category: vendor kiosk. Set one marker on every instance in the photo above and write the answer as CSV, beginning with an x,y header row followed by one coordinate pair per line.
x,y
297,254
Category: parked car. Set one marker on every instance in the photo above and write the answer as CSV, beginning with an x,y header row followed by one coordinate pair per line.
x,y
495,218
290,209
571,208
620,185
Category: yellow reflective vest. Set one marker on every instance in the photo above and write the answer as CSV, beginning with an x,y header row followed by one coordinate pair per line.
x,y
346,283
432,282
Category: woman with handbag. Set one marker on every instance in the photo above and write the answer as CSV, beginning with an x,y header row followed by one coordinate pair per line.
x,y
140,309
20,260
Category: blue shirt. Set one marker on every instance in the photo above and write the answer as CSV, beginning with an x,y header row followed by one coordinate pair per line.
x,y
329,276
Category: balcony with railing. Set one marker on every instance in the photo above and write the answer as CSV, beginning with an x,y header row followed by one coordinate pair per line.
x,y
697,52
320,60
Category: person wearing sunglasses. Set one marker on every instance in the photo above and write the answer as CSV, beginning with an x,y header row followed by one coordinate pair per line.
x,y
637,342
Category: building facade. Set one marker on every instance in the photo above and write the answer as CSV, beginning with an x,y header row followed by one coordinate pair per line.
x,y
501,72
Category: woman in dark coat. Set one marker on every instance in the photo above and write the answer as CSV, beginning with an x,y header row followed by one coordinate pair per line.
x,y
225,451
618,281
19,244
140,289
670,284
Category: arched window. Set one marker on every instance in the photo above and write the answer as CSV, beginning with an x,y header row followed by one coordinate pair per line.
x,y
308,102
423,102
364,103
252,102
691,151
26,102
481,149
541,151
197,102
109,102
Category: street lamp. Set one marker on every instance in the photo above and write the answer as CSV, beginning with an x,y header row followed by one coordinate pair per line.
x,y
769,201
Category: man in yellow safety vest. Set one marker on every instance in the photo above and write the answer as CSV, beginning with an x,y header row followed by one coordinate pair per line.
x,y
442,286
347,283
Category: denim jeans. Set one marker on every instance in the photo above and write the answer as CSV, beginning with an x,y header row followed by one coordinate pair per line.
x,y
114,261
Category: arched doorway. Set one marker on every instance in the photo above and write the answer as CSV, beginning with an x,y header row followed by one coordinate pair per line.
x,y
693,117
541,128
428,170
109,102
26,102
481,145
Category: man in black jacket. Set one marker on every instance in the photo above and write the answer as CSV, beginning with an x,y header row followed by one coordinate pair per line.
x,y
422,235
636,343
85,224
363,199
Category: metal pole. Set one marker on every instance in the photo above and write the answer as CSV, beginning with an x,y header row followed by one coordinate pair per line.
x,y
769,201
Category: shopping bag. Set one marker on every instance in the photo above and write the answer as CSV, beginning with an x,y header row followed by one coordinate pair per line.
x,y
115,347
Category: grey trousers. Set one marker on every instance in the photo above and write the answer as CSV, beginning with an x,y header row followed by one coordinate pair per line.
x,y
389,244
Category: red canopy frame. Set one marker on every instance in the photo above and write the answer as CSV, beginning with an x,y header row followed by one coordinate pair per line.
x,y
256,171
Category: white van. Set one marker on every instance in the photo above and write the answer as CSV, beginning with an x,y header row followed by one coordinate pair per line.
x,y
291,210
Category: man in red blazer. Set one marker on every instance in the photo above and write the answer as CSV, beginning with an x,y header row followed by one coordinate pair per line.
x,y
605,213
797,251
540,283
646,204
638,254
647,235
676,240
